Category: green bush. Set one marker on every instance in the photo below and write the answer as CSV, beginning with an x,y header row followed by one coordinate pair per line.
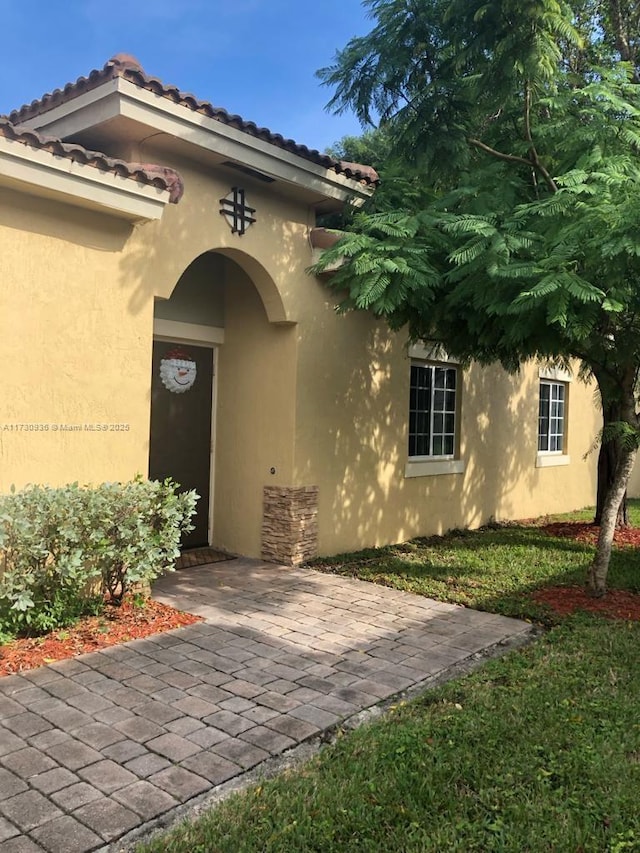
x,y
62,550
135,531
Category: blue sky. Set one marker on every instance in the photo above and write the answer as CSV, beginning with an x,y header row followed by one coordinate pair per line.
x,y
256,58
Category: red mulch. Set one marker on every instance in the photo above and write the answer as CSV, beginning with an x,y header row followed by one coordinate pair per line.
x,y
116,625
588,533
565,600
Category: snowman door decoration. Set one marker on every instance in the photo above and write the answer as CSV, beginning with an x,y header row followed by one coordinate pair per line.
x,y
177,371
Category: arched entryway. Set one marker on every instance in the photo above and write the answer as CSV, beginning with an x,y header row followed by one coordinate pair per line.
x,y
218,362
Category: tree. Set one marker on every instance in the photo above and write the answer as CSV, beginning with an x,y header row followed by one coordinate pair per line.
x,y
401,186
524,125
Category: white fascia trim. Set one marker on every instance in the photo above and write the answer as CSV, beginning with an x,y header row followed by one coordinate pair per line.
x,y
74,116
429,468
552,460
187,333
176,120
44,173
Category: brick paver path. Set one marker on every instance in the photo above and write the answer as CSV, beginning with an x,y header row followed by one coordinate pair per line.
x,y
93,747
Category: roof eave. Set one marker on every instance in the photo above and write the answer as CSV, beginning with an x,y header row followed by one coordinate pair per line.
x,y
42,173
120,97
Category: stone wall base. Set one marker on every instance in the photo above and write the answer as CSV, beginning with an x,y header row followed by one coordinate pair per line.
x,y
289,524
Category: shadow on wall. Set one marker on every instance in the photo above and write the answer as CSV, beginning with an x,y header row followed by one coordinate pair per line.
x,y
357,411
352,381
65,222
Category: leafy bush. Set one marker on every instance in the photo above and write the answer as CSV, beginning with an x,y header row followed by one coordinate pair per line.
x,y
135,531
63,549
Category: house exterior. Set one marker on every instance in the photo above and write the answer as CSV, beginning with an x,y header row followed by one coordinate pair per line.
x,y
158,319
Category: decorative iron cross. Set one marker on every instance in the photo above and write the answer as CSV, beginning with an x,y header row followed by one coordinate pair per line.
x,y
236,211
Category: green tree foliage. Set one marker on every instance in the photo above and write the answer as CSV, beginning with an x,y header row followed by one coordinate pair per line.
x,y
523,124
401,186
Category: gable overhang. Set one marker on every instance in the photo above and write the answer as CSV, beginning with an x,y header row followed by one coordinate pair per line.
x,y
118,109
46,175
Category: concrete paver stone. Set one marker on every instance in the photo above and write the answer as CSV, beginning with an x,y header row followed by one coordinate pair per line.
x,y
66,833
107,776
106,818
10,785
145,799
7,830
29,809
21,844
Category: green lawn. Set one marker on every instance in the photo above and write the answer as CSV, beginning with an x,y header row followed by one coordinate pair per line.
x,y
538,751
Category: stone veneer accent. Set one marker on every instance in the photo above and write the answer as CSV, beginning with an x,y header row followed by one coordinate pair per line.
x,y
289,524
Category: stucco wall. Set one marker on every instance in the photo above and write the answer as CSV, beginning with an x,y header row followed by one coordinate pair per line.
x,y
274,252
263,274
255,414
198,297
76,329
634,482
75,349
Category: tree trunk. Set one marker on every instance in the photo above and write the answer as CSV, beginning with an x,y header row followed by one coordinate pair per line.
x,y
597,582
607,463
620,20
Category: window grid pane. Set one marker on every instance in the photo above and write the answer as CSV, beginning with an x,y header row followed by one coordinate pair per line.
x,y
432,406
551,417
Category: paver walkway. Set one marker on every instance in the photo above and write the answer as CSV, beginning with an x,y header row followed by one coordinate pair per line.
x,y
93,747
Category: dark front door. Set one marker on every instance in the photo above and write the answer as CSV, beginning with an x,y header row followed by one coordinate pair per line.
x,y
180,443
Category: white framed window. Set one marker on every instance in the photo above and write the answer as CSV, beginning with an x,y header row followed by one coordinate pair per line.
x,y
551,417
432,411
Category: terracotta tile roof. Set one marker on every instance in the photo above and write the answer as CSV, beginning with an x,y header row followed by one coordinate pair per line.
x,y
127,67
157,176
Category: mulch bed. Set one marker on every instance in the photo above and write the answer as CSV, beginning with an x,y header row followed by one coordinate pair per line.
x,y
130,621
588,533
565,600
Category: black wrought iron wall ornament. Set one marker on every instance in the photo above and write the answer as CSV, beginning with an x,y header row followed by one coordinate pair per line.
x,y
236,211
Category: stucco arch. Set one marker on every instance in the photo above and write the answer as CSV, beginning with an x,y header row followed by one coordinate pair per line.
x,y
263,281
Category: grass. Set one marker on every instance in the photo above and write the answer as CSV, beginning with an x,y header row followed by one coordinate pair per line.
x,y
495,568
538,751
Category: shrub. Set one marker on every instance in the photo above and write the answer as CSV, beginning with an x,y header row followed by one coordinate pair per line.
x,y
63,549
134,531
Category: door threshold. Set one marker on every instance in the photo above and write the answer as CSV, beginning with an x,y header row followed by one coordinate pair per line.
x,y
201,556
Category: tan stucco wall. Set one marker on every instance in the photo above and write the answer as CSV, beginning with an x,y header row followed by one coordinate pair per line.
x,y
634,482
264,278
320,398
198,297
352,439
274,252
255,414
75,349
